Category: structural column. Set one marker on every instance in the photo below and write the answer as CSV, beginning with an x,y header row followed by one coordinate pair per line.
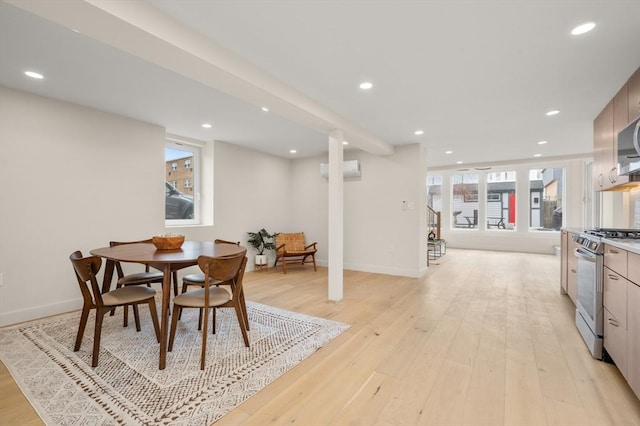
x,y
335,215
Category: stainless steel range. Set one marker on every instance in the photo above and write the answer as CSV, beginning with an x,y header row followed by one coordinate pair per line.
x,y
590,255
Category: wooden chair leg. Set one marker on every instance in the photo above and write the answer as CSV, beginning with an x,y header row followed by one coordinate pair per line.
x,y
204,338
313,257
83,323
184,290
213,320
174,323
154,318
125,320
136,316
174,275
96,337
200,319
243,327
243,304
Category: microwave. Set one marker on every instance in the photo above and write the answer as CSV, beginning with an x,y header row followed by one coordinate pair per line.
x,y
629,149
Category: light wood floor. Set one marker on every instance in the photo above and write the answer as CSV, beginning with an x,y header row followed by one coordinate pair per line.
x,y
484,339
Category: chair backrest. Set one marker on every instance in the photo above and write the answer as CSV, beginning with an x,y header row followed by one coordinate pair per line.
x,y
224,268
218,241
86,269
292,241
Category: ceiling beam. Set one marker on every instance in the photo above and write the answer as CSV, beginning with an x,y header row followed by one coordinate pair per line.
x,y
144,31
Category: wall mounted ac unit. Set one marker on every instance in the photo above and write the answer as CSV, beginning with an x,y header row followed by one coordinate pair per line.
x,y
350,169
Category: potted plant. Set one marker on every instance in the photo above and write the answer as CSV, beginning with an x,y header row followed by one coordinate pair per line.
x,y
261,241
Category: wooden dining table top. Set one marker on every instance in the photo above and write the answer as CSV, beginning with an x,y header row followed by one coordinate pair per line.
x,y
148,254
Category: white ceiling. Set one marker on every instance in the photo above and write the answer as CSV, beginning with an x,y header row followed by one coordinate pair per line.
x,y
476,76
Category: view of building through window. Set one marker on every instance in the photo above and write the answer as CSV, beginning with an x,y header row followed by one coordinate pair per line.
x,y
180,178
465,200
501,200
546,191
546,188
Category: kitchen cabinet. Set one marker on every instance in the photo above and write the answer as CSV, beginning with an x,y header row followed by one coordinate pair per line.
x,y
564,247
615,259
615,296
633,267
615,318
603,147
633,337
633,95
621,300
615,341
619,112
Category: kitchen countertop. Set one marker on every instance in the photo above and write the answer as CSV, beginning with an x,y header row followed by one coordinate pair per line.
x,y
573,230
625,244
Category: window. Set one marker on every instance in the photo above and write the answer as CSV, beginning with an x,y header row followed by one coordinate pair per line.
x,y
434,206
546,189
181,184
501,200
465,200
434,192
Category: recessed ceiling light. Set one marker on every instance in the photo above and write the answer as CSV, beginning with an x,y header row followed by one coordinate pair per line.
x,y
206,125
345,143
34,74
75,31
365,85
553,112
459,162
542,142
293,151
418,132
448,152
265,109
584,28
537,155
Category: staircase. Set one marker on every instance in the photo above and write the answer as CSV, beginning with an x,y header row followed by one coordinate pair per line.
x,y
436,247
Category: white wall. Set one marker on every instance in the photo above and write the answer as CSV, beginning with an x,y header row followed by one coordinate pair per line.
x,y
76,178
379,236
252,191
73,179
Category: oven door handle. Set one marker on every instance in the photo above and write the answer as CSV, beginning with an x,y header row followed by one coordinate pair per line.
x,y
581,254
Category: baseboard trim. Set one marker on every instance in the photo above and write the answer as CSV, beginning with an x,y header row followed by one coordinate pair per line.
x,y
32,313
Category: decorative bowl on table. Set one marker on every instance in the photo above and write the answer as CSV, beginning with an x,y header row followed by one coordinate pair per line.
x,y
168,241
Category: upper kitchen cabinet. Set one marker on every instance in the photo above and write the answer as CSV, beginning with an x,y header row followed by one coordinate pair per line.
x,y
605,149
633,93
622,110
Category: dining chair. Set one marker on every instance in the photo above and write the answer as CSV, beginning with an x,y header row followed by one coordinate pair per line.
x,y
147,277
86,269
224,269
197,279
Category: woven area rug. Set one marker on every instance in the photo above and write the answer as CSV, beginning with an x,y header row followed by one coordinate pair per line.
x,y
127,388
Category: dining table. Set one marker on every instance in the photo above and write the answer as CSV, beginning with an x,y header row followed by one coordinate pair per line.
x,y
167,261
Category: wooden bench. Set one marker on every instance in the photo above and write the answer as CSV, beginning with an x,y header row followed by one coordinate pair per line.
x,y
291,248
